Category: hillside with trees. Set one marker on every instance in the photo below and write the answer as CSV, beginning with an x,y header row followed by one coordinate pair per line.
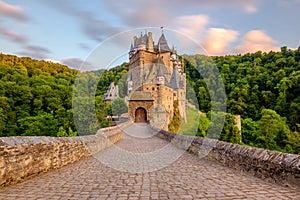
x,y
36,97
262,87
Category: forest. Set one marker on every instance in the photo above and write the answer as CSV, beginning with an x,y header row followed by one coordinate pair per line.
x,y
263,88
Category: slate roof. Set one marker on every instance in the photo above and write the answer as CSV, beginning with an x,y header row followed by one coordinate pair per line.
x,y
162,44
141,96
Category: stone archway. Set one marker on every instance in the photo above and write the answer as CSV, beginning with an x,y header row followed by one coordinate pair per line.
x,y
140,115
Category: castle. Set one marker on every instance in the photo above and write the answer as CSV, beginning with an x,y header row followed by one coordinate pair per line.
x,y
156,82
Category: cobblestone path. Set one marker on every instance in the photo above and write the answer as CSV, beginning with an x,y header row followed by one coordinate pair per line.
x,y
188,177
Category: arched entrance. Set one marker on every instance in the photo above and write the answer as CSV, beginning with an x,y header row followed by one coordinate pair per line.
x,y
140,115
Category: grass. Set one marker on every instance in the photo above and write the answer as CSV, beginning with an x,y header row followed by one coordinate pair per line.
x,y
190,127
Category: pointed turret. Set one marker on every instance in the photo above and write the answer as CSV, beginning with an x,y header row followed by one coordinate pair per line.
x,y
150,43
163,44
175,78
160,77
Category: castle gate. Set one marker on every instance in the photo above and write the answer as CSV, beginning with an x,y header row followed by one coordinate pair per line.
x,y
139,106
140,115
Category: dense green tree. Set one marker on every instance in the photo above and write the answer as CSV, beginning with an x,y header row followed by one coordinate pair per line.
x,y
273,132
118,107
223,127
249,131
203,126
176,120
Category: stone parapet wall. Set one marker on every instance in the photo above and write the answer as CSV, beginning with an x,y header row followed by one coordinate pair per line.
x,y
23,157
273,166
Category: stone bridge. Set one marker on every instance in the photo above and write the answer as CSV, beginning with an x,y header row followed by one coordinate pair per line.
x,y
144,163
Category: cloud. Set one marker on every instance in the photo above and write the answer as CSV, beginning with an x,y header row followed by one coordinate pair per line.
x,y
51,61
84,46
11,11
250,9
34,48
218,40
257,40
191,25
93,27
136,13
77,63
249,6
15,37
34,51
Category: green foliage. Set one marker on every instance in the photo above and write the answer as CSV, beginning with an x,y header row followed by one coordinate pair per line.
x,y
227,124
249,131
35,96
63,133
253,82
118,107
174,125
203,126
42,124
273,132
117,75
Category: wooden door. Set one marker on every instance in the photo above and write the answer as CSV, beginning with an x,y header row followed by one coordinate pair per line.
x,y
140,115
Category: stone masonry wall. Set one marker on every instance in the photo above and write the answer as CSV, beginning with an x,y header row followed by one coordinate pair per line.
x,y
23,157
273,166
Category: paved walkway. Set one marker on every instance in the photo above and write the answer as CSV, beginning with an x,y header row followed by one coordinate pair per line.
x,y
188,177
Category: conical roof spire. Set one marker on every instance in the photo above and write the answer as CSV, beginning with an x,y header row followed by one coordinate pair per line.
x,y
175,78
160,66
163,44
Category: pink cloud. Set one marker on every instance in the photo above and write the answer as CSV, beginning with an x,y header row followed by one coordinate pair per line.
x,y
15,37
14,12
192,25
257,40
218,40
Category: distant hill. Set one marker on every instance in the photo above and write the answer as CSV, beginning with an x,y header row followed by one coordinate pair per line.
x,y
253,81
35,97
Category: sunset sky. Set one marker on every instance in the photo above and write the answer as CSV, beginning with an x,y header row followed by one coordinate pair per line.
x,y
67,31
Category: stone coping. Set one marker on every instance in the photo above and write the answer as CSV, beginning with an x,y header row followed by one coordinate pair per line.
x,y
22,157
273,166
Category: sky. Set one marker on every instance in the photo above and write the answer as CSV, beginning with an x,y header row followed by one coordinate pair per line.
x,y
99,32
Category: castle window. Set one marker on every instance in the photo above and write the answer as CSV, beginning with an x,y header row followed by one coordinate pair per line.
x,y
147,88
153,88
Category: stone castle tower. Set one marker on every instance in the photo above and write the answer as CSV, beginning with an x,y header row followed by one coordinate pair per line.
x,y
156,80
